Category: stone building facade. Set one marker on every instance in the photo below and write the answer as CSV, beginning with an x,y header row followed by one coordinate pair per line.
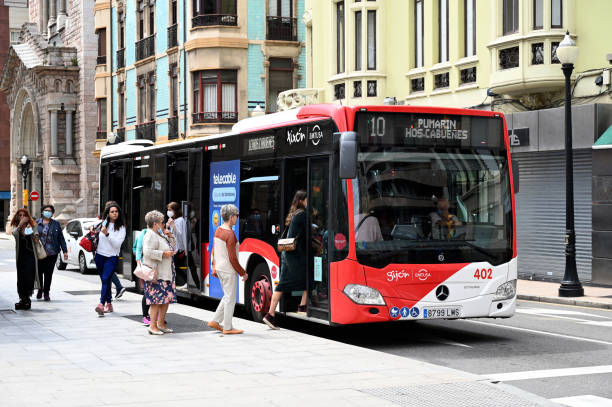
x,y
47,80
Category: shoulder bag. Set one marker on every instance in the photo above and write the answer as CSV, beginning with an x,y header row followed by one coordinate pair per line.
x,y
39,249
146,273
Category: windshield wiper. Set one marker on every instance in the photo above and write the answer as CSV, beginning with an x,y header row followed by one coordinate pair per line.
x,y
475,247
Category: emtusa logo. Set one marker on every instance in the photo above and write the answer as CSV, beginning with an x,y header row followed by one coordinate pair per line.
x,y
315,135
395,275
422,274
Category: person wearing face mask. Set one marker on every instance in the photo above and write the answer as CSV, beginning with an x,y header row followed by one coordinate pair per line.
x,y
158,248
52,238
25,231
111,237
176,224
293,263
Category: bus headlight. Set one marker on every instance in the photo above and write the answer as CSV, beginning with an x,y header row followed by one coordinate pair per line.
x,y
506,290
364,295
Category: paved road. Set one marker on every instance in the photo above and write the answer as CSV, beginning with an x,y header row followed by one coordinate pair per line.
x,y
553,351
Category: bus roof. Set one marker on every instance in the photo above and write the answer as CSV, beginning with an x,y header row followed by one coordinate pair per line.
x,y
342,115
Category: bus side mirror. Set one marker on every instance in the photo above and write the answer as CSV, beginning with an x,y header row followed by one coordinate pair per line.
x,y
348,155
515,175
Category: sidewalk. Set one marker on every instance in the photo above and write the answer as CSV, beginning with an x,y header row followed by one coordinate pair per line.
x,y
595,297
61,354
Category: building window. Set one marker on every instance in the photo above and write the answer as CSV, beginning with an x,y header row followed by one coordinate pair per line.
x,y
174,90
371,39
358,40
340,37
470,27
281,25
538,14
441,81
280,79
442,30
553,53
101,118
417,84
214,12
357,89
372,91
468,75
15,37
173,12
509,58
146,98
140,19
101,60
556,15
537,53
510,16
172,28
339,91
121,104
418,34
214,96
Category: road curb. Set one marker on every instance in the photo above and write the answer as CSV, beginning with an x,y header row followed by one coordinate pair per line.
x,y
565,301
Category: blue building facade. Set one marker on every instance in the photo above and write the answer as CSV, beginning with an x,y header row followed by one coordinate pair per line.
x,y
170,69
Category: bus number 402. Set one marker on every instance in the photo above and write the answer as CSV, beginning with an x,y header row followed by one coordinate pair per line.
x,y
483,274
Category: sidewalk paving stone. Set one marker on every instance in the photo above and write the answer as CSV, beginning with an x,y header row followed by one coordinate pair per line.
x,y
73,358
543,291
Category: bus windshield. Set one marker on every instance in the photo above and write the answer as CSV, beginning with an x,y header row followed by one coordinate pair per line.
x,y
431,201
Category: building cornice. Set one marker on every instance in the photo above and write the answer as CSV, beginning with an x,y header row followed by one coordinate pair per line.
x,y
216,42
106,5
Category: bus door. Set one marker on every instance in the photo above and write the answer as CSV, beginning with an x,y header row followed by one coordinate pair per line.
x,y
318,247
118,191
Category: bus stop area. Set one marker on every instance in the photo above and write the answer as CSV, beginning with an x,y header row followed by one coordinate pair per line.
x,y
61,353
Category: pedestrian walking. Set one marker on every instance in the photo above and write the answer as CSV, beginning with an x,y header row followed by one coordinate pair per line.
x,y
226,267
111,237
25,231
119,288
158,248
176,224
137,250
52,239
293,263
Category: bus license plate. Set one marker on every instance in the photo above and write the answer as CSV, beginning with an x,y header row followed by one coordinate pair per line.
x,y
442,312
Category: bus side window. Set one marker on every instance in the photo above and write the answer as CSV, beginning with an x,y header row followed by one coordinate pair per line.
x,y
259,200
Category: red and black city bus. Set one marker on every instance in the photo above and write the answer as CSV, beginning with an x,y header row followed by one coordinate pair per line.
x,y
411,209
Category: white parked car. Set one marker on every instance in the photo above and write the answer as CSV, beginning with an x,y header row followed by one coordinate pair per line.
x,y
77,256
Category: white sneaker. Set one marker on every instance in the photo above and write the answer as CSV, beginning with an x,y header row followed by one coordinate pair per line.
x,y
184,287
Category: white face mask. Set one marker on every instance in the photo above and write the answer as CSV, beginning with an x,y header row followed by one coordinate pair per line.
x,y
170,214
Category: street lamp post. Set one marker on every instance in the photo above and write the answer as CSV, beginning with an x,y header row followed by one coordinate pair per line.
x,y
25,168
567,52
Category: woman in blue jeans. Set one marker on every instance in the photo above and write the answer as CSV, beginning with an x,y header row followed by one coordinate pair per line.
x,y
110,240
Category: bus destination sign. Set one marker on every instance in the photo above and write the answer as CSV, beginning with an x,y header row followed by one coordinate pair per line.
x,y
261,144
428,130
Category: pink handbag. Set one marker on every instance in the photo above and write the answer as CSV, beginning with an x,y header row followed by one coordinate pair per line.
x,y
146,273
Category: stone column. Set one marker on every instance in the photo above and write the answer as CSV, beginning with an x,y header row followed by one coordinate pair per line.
x,y
54,149
52,14
61,17
45,15
69,133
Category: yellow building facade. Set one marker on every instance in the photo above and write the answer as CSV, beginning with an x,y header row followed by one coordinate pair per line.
x,y
451,52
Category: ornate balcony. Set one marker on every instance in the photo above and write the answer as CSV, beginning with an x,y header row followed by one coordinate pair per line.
x,y
173,128
100,135
172,36
121,58
204,20
146,131
417,84
281,28
468,75
145,47
441,80
509,58
214,117
101,60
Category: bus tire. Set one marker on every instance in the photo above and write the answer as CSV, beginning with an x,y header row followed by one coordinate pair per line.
x,y
260,292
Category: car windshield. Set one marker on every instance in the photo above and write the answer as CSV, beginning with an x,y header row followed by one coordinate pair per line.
x,y
432,204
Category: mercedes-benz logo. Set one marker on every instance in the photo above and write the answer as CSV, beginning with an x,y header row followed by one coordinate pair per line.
x,y
442,292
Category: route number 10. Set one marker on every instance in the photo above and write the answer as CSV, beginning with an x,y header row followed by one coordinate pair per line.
x,y
377,127
483,274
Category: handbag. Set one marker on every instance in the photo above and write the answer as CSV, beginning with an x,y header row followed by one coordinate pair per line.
x,y
146,273
89,242
39,249
286,244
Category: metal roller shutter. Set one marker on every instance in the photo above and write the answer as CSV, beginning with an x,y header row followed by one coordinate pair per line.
x,y
540,212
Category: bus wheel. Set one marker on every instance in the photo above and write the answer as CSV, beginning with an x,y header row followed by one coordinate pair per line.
x,y
261,292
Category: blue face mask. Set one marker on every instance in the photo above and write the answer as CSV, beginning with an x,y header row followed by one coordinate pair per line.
x,y
47,214
160,231
28,231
